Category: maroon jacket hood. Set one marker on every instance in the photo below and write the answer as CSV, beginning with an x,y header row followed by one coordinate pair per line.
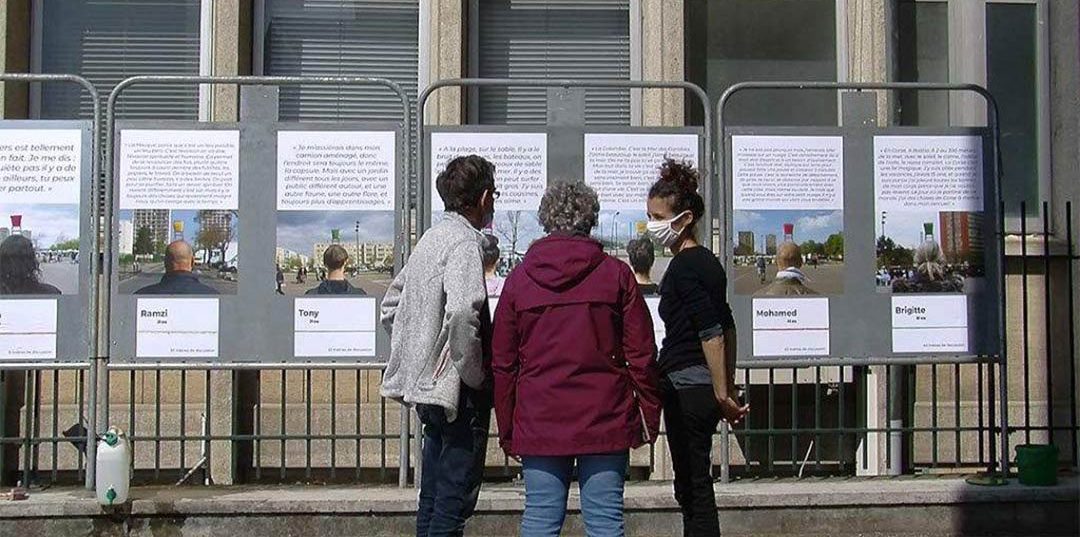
x,y
559,262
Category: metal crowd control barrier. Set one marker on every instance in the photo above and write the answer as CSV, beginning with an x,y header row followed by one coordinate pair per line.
x,y
423,182
93,316
1000,361
110,134
422,173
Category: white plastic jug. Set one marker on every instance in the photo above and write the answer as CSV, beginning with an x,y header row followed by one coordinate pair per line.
x,y
113,468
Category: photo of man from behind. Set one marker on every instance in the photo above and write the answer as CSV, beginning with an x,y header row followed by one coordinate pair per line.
x,y
335,258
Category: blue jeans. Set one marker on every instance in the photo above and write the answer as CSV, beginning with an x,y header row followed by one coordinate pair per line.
x,y
454,454
547,484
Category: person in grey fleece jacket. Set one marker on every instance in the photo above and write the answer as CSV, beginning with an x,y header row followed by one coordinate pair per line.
x,y
436,312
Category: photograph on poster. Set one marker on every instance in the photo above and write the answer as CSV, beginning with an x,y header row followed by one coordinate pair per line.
x,y
788,253
39,211
928,220
334,252
39,249
178,252
178,218
335,221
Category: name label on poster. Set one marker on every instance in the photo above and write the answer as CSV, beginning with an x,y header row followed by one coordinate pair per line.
x,y
791,326
176,328
334,327
922,323
27,329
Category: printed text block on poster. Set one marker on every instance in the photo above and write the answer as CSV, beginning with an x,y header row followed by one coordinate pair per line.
x,y
179,169
336,170
622,167
40,166
520,161
788,172
939,173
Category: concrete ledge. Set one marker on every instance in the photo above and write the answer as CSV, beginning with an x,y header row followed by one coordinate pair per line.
x,y
902,506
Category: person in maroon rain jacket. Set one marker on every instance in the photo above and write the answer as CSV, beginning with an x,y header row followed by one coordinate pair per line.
x,y
574,361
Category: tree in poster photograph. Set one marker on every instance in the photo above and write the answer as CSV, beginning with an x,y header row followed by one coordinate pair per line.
x,y
144,242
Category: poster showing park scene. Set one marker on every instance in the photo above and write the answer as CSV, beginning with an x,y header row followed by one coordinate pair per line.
x,y
39,249
204,242
795,252
317,248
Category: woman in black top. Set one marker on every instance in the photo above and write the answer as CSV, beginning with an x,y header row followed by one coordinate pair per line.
x,y
697,359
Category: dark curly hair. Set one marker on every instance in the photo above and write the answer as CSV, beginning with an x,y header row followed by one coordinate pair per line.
x,y
642,254
18,264
678,185
463,181
490,253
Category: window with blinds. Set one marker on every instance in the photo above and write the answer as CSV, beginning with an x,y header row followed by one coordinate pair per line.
x,y
374,38
108,41
576,39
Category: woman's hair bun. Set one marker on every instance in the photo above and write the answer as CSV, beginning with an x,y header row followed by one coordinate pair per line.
x,y
680,173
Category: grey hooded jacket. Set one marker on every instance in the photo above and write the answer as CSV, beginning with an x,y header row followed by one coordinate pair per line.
x,y
433,313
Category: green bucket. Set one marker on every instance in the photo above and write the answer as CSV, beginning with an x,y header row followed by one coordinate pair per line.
x,y
1037,464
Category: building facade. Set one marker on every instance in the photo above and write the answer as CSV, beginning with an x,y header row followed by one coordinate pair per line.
x,y
1027,52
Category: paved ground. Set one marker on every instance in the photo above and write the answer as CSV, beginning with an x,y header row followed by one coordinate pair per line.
x,y
825,279
63,274
373,283
907,507
151,276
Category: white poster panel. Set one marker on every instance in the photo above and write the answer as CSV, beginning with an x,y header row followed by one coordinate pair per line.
x,y
919,173
27,329
788,172
40,166
791,326
176,328
622,167
658,324
927,323
520,161
179,169
337,327
336,170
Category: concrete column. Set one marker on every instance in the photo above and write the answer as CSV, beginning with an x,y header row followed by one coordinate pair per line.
x,y
231,40
447,45
662,58
15,51
869,48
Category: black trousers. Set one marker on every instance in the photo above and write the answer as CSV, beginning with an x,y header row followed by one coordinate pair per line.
x,y
691,416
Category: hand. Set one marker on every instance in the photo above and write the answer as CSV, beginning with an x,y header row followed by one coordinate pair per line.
x,y
730,410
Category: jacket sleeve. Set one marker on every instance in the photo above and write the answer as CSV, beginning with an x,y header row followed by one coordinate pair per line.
x,y
639,348
504,365
463,283
391,301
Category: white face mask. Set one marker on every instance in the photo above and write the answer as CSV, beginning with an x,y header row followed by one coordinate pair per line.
x,y
663,231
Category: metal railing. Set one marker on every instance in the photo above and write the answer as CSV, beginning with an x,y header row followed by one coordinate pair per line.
x,y
39,376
